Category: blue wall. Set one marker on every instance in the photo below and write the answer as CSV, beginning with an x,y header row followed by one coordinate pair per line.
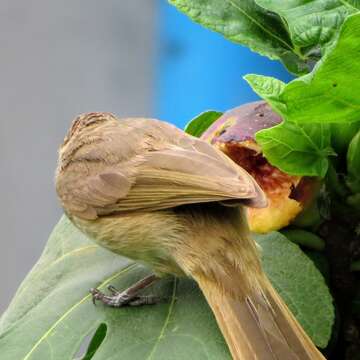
x,y
199,70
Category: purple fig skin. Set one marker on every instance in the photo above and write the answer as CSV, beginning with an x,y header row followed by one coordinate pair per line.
x,y
234,134
241,123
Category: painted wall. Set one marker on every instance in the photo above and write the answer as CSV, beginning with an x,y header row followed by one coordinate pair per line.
x,y
199,70
56,62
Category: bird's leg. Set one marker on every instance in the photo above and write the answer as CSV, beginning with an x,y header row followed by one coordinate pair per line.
x,y
129,296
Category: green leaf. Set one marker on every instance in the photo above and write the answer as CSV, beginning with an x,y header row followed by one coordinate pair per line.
x,y
297,32
198,125
341,135
52,312
321,262
268,88
246,23
353,156
330,93
297,150
311,24
300,284
353,164
335,183
355,4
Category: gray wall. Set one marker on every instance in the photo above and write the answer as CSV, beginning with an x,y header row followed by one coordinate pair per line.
x,y
58,59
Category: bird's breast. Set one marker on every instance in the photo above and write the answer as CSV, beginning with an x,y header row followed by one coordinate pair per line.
x,y
145,237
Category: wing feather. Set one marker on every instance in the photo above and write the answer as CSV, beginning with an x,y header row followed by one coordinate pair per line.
x,y
165,174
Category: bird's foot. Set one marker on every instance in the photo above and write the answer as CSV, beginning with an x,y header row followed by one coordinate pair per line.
x,y
119,299
127,297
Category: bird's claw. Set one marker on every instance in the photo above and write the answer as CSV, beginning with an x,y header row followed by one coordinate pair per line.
x,y
119,299
113,290
96,295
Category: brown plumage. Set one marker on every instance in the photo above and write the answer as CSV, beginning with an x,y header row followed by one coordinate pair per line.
x,y
145,189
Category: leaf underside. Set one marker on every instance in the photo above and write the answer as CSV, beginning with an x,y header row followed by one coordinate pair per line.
x,y
297,32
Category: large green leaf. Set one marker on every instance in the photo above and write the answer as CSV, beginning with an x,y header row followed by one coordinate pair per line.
x,y
52,311
311,24
300,284
301,144
246,23
296,32
330,94
355,4
297,149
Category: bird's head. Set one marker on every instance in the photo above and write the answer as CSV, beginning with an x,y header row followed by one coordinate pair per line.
x,y
86,120
81,128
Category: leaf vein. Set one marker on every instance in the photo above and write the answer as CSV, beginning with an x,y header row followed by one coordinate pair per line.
x,y
57,322
263,28
166,323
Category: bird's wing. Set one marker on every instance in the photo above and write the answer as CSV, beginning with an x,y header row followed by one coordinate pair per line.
x,y
191,171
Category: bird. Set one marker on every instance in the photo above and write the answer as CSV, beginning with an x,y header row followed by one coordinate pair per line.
x,y
146,190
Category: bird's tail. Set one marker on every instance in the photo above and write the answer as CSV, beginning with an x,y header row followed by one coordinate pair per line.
x,y
258,326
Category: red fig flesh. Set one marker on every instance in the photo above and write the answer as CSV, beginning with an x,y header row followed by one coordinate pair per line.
x,y
234,134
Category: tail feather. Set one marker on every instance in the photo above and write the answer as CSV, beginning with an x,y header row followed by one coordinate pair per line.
x,y
259,326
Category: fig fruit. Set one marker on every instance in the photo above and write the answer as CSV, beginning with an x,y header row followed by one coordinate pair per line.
x,y
234,134
304,238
